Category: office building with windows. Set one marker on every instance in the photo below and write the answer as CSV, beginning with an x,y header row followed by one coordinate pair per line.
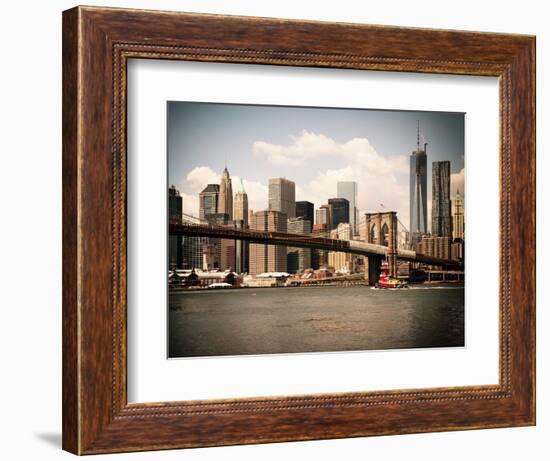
x,y
348,190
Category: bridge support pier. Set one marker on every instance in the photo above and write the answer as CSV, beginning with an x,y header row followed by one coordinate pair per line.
x,y
392,263
381,229
373,268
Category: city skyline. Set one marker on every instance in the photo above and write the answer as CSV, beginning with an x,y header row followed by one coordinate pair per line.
x,y
314,161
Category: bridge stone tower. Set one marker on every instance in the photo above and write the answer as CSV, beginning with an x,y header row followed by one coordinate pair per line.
x,y
381,229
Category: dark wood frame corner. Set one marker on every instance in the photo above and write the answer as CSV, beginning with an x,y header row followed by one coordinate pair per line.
x,y
97,43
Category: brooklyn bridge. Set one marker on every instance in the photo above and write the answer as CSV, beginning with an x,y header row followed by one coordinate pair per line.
x,y
375,252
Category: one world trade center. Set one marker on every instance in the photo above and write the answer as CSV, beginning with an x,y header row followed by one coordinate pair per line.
x,y
418,190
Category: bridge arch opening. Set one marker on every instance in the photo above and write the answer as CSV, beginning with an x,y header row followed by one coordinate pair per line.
x,y
385,234
373,236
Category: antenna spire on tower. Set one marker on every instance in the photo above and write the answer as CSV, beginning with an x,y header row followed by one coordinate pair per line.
x,y
418,135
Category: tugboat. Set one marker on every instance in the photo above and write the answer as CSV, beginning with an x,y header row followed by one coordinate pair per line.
x,y
385,281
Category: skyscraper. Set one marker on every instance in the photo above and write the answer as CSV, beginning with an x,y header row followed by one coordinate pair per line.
x,y
224,216
225,200
208,248
458,216
324,216
240,215
193,248
441,199
282,196
418,223
175,249
267,258
221,251
241,250
342,262
340,209
319,258
208,200
175,204
348,190
228,252
438,247
298,259
305,210
241,206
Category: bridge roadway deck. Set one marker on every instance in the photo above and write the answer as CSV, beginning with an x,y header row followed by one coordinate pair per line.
x,y
303,241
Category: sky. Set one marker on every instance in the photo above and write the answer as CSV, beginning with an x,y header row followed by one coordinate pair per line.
x,y
314,147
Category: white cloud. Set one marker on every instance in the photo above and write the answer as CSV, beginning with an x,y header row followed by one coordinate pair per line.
x,y
309,146
199,177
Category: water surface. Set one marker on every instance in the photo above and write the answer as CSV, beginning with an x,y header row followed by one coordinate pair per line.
x,y
314,319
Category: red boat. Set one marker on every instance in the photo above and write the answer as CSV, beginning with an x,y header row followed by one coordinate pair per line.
x,y
385,281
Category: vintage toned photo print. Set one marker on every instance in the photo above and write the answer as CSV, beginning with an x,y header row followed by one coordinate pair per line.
x,y
308,229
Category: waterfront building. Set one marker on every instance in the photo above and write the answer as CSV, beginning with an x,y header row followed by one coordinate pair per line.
x,y
340,211
266,280
319,258
298,259
225,200
320,228
341,262
241,250
458,217
323,216
304,209
220,253
344,231
348,190
227,259
208,200
208,248
267,258
282,196
211,253
441,199
457,250
199,278
418,220
175,214
193,252
282,199
438,247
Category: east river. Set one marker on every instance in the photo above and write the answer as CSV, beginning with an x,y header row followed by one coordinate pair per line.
x,y
314,319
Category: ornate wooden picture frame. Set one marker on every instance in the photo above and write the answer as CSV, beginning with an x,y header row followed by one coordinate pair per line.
x,y
97,44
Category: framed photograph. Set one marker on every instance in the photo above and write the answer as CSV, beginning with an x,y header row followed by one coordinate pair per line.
x,y
309,190
280,230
